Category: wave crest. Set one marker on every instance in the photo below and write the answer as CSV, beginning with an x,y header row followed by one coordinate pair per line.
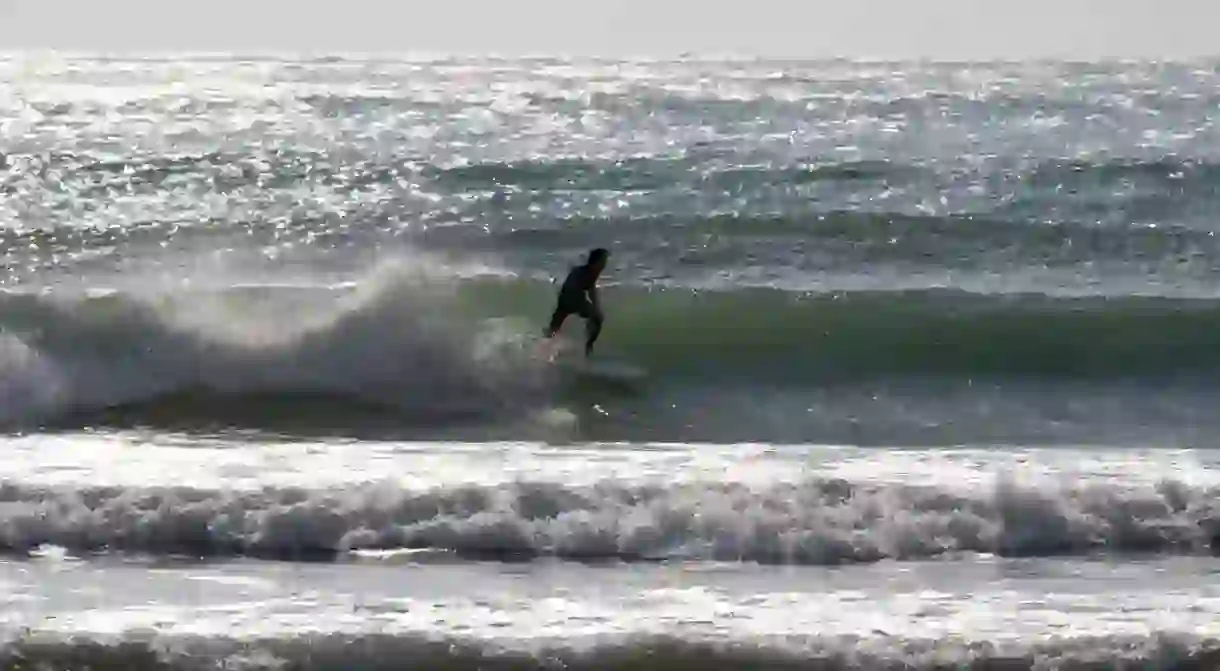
x,y
391,341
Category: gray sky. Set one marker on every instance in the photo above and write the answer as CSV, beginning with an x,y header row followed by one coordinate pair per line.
x,y
784,28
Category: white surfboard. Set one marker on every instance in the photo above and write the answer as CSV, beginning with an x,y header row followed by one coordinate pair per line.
x,y
605,368
566,357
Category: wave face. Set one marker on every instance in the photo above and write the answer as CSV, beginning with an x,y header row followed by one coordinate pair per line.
x,y
817,338
409,351
439,352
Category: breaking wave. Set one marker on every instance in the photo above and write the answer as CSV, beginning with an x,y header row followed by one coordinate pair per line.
x,y
813,522
390,343
417,350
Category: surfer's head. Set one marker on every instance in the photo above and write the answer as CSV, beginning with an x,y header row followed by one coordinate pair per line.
x,y
597,259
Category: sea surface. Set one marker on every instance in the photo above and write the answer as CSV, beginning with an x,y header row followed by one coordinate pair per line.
x,y
933,356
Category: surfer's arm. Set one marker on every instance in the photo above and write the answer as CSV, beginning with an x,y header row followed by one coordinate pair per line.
x,y
593,298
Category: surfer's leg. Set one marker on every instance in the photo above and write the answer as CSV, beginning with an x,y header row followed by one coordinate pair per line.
x,y
593,326
556,322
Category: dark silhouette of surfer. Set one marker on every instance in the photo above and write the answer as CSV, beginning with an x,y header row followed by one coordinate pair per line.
x,y
578,296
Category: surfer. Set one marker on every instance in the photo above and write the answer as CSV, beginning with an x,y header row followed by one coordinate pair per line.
x,y
578,296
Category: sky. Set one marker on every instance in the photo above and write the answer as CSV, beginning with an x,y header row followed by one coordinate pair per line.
x,y
939,29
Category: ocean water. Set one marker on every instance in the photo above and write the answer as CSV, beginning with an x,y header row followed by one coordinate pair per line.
x,y
932,356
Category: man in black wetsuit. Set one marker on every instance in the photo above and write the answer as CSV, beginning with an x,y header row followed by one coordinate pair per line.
x,y
578,296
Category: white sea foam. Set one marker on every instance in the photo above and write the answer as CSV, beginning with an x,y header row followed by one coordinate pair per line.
x,y
760,503
479,616
397,339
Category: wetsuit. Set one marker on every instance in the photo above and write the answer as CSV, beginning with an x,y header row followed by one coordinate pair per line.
x,y
577,296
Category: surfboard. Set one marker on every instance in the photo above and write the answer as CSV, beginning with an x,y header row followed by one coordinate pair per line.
x,y
565,357
607,369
